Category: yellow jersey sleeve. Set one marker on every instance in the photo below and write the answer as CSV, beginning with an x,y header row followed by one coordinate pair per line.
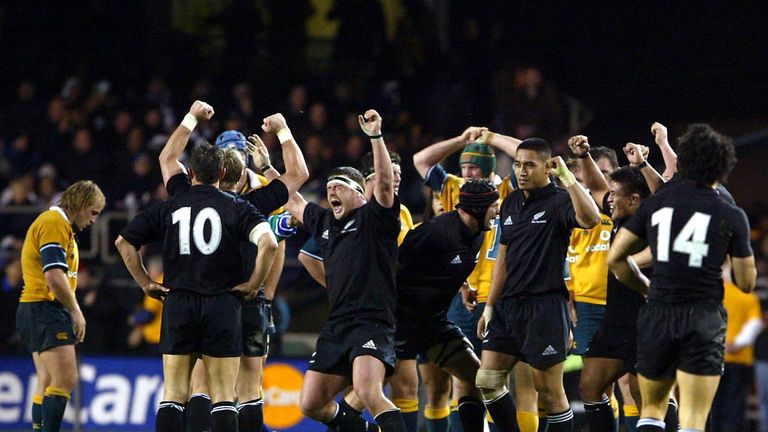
x,y
449,196
741,308
49,244
406,223
587,261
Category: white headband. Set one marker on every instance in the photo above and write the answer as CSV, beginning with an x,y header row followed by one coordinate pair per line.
x,y
342,180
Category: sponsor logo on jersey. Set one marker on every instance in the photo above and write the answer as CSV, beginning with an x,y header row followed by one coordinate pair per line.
x,y
456,260
537,218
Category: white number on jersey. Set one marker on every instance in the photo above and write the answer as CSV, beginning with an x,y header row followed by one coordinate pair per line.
x,y
206,215
691,240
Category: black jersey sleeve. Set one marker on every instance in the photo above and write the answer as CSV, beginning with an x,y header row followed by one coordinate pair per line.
x,y
565,211
268,198
249,217
145,227
313,219
739,246
177,184
388,219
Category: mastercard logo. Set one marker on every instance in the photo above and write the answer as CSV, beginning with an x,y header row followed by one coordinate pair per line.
x,y
282,393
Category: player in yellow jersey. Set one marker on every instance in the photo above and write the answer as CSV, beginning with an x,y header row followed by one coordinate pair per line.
x,y
49,319
477,160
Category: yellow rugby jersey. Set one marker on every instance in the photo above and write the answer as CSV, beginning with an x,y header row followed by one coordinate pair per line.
x,y
587,262
256,181
49,243
741,308
406,223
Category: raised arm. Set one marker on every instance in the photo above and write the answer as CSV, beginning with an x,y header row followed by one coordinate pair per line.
x,y
636,154
432,155
661,138
505,143
260,157
383,182
295,206
296,172
593,178
587,214
169,156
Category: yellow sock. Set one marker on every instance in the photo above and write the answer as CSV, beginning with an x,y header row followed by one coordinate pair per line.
x,y
528,421
406,405
454,405
615,406
55,391
631,411
37,399
436,413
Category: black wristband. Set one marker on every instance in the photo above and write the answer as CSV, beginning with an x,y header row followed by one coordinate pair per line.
x,y
265,168
643,164
584,156
374,136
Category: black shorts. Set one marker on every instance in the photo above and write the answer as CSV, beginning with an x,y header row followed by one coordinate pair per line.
x,y
534,329
257,315
689,337
341,342
195,323
44,325
414,335
615,342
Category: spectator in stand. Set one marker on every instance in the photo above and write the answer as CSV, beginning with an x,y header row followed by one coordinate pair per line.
x,y
48,190
10,290
20,192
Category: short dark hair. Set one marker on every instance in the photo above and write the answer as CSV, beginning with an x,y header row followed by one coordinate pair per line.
x,y
600,152
206,162
631,180
366,164
350,172
705,156
538,145
232,162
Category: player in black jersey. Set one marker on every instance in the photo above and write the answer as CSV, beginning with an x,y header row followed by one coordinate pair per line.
x,y
356,343
691,231
201,228
434,261
526,315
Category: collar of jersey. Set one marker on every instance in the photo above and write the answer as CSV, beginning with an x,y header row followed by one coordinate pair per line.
x,y
61,212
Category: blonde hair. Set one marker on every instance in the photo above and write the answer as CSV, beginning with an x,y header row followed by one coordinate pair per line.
x,y
81,195
234,165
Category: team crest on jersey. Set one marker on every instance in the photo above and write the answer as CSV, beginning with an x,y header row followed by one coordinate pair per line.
x,y
72,274
348,227
537,218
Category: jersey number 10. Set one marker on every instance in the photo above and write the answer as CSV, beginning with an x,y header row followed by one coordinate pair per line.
x,y
183,216
692,239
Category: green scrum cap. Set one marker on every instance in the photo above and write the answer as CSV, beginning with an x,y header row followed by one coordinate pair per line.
x,y
481,155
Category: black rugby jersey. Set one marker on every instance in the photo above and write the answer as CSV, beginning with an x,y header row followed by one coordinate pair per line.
x,y
200,228
536,231
434,260
360,258
690,230
622,303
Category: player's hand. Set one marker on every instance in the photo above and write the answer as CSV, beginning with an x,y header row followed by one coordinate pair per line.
x,y
635,153
468,296
473,133
274,123
659,132
201,110
482,323
155,290
579,145
78,325
257,150
555,166
486,137
245,292
370,122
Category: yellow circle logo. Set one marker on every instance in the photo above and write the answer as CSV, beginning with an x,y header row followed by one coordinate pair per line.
x,y
282,391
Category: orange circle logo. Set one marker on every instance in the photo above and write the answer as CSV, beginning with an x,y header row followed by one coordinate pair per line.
x,y
282,391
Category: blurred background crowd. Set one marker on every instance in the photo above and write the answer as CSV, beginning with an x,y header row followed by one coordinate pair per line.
x,y
93,91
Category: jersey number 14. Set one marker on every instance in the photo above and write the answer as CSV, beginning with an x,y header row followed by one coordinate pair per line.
x,y
183,216
691,240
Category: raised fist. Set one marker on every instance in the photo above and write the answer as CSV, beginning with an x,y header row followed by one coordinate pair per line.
x,y
636,153
659,132
274,123
370,122
579,145
201,110
473,133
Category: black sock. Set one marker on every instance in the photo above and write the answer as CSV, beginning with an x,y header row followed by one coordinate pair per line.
x,y
250,416
503,412
224,417
650,425
600,415
671,421
170,417
197,415
348,419
472,414
37,416
52,411
560,422
390,421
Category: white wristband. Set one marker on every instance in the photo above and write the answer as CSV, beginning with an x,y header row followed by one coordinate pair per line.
x,y
284,135
189,122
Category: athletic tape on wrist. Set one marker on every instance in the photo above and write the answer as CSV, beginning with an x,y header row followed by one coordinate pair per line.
x,y
189,122
284,135
566,177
